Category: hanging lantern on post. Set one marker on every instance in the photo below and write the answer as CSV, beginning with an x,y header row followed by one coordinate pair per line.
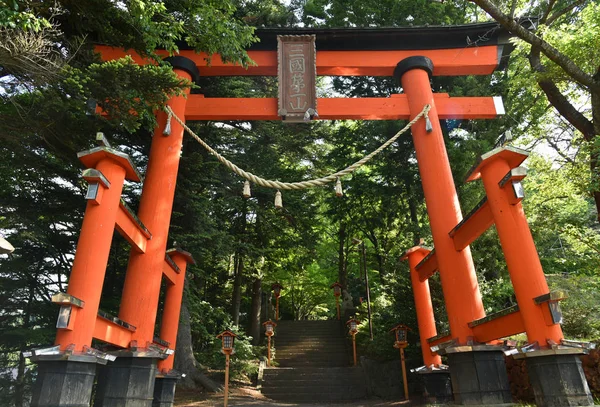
x,y
401,342
227,340
269,331
353,329
337,292
276,288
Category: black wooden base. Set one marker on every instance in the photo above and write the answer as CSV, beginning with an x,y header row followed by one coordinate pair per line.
x,y
164,390
64,383
126,382
479,376
558,380
437,386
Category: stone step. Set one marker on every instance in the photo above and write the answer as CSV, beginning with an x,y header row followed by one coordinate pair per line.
x,y
310,372
303,381
310,340
309,353
294,336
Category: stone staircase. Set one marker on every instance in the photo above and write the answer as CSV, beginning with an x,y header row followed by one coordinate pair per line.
x,y
314,364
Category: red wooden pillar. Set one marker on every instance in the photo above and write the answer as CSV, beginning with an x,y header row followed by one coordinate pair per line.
x,y
144,273
457,272
425,316
172,309
522,259
93,247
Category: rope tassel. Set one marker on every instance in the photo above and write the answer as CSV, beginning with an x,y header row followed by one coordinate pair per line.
x,y
278,200
246,193
339,192
167,130
428,125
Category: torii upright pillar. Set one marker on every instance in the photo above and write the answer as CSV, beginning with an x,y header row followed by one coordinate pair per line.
x,y
470,369
139,305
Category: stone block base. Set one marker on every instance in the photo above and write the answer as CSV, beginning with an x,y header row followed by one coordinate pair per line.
x,y
164,390
126,382
558,380
437,386
64,383
478,375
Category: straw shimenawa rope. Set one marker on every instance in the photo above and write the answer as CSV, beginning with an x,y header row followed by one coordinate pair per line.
x,y
301,184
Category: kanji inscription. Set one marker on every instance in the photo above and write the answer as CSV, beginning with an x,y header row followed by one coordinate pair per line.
x,y
297,77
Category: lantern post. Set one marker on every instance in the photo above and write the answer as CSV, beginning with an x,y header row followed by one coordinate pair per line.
x,y
227,338
401,342
353,329
269,331
276,287
337,291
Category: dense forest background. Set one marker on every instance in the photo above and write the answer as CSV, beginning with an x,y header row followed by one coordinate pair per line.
x,y
51,80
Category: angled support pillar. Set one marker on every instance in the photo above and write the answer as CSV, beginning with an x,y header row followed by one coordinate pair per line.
x,y
555,372
425,316
436,379
166,380
73,367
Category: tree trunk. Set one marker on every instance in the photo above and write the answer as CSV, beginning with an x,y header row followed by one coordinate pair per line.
x,y
237,289
255,311
342,269
185,361
20,382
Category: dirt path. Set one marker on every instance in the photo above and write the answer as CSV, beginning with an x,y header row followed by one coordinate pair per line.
x,y
249,397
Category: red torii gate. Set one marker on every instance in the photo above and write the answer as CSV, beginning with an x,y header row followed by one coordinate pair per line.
x,y
132,375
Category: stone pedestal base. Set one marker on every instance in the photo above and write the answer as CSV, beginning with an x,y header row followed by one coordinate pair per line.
x,y
478,375
437,386
557,378
126,382
64,381
164,390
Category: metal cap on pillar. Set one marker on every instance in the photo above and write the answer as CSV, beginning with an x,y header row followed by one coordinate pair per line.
x,y
184,64
416,62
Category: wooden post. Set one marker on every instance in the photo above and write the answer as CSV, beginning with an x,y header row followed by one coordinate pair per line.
x,y
268,350
337,307
404,379
276,308
226,394
354,346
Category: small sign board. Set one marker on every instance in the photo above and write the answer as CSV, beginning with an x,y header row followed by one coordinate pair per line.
x,y
297,71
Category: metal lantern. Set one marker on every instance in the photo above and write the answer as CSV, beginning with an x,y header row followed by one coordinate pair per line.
x,y
401,332
269,327
276,287
227,338
337,289
401,342
353,329
353,325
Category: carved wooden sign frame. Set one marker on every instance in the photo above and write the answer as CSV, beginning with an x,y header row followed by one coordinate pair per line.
x,y
297,73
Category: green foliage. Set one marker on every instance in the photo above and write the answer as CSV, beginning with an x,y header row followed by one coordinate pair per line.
x,y
581,310
18,14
